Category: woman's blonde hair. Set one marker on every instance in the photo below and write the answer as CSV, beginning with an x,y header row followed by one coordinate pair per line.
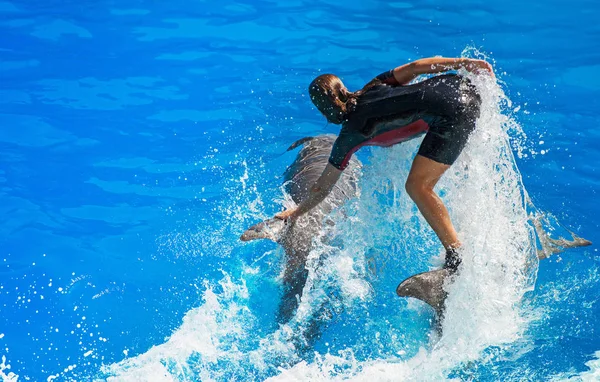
x,y
332,98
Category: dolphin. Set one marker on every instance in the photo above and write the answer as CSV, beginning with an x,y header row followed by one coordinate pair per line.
x,y
298,237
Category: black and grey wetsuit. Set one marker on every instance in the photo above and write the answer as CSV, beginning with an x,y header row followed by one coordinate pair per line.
x,y
445,107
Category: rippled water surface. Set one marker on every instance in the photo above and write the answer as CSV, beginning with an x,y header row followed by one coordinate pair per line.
x,y
139,139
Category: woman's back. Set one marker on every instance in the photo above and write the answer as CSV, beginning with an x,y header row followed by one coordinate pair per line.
x,y
442,96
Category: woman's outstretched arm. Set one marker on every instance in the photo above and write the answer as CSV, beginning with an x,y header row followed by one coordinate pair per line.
x,y
408,72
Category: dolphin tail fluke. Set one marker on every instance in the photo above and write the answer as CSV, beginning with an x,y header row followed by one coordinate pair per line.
x,y
269,229
552,246
544,223
427,287
299,142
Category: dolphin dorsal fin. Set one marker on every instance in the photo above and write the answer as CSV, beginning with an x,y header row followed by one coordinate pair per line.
x,y
299,142
427,287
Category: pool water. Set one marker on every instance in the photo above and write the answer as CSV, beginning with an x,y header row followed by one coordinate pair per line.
x,y
139,139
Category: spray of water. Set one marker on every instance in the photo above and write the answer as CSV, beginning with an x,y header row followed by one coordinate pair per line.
x,y
5,373
379,240
487,202
591,375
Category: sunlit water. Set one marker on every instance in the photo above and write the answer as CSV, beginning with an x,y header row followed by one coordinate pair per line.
x,y
139,141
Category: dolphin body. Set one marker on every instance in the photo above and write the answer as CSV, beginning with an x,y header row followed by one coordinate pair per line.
x,y
298,237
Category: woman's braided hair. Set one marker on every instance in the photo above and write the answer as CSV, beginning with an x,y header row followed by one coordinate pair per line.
x,y
330,96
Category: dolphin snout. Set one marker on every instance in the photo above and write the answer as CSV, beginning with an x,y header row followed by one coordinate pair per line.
x,y
250,234
269,229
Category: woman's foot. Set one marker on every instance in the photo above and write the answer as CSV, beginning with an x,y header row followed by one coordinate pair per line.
x,y
453,260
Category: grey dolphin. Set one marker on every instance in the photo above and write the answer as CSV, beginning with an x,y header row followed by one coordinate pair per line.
x,y
297,238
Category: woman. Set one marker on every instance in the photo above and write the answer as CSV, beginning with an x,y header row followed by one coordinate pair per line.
x,y
387,111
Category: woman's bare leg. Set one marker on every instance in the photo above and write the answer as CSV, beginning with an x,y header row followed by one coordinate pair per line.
x,y
424,175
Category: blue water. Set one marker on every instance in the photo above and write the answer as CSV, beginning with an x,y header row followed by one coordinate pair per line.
x,y
139,139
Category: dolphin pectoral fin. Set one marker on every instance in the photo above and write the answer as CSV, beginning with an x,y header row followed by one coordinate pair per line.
x,y
269,229
427,287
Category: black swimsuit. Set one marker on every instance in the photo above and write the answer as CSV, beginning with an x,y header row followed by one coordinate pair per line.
x,y
445,107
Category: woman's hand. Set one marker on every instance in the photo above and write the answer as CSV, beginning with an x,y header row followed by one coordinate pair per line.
x,y
287,214
478,66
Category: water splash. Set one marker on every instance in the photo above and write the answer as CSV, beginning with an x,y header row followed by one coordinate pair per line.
x,y
5,373
214,329
593,374
487,201
379,240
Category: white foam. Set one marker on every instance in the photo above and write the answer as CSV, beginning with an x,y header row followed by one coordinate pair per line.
x,y
592,375
5,373
200,335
